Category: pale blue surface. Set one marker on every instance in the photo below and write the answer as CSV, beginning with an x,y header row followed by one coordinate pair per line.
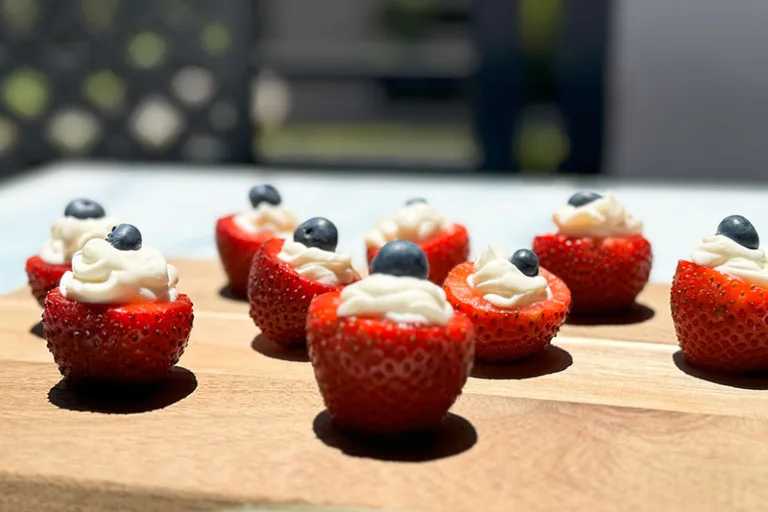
x,y
176,211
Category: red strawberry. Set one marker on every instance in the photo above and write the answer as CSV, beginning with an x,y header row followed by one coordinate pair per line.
x,y
381,377
132,343
721,322
236,250
444,251
604,274
504,335
44,277
280,297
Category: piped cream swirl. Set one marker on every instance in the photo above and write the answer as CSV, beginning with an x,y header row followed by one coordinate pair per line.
x,y
268,217
729,257
415,223
397,298
604,217
69,235
502,284
326,267
102,274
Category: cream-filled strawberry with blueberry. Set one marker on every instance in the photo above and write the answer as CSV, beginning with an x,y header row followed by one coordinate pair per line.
x,y
599,251
516,306
445,243
239,236
719,300
117,316
390,354
83,220
287,274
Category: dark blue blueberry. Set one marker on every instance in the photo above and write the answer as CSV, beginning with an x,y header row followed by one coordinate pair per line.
x,y
317,232
526,261
401,258
415,200
740,230
125,237
264,194
84,209
583,197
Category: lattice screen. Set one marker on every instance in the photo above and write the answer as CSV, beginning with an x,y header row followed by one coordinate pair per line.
x,y
124,79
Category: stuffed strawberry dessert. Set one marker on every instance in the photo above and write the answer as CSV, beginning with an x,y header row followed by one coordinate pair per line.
x,y
516,306
446,244
116,317
720,301
83,220
239,236
390,354
600,253
287,274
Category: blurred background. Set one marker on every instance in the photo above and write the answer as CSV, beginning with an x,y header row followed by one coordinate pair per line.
x,y
631,88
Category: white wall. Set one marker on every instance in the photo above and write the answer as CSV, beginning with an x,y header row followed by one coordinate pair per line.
x,y
689,81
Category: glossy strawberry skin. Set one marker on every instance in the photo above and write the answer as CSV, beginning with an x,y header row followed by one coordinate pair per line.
x,y
123,344
721,322
236,250
444,251
279,297
44,277
604,275
380,377
507,335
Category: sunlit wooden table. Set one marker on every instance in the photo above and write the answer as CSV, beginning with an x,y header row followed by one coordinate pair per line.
x,y
609,418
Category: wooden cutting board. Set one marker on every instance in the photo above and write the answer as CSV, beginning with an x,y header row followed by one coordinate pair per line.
x,y
610,418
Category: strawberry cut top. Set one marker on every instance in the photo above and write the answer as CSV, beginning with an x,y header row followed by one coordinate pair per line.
x,y
459,291
444,251
141,306
440,238
708,288
37,263
228,227
274,246
325,322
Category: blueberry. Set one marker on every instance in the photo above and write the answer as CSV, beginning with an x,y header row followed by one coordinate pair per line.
x,y
415,200
583,197
401,258
526,262
84,209
317,232
125,237
264,194
740,230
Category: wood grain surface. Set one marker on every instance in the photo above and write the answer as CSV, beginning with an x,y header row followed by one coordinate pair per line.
x,y
609,418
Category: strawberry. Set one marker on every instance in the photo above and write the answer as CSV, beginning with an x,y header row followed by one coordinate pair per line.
x,y
444,251
721,322
505,335
236,249
44,277
280,297
383,377
604,274
132,343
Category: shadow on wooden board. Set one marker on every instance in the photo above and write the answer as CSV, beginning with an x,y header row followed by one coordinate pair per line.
x,y
455,435
22,494
110,400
